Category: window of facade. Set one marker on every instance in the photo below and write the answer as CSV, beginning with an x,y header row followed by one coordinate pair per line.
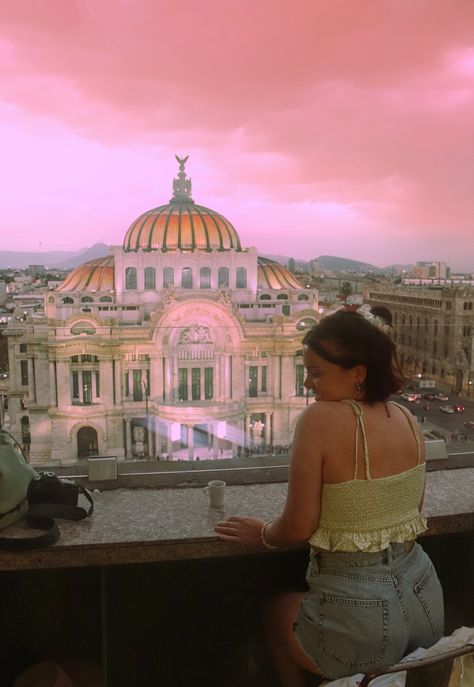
x,y
105,299
253,380
208,383
435,327
223,277
466,331
23,348
285,310
303,297
241,280
426,324
85,379
435,347
67,301
448,305
433,370
24,372
299,380
183,383
205,277
282,297
265,297
130,278
87,299
150,278
137,390
168,277
187,278
196,384
263,386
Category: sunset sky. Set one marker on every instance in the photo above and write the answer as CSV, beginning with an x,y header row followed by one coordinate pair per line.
x,y
342,127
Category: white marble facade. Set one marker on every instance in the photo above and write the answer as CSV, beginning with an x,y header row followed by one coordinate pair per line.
x,y
125,363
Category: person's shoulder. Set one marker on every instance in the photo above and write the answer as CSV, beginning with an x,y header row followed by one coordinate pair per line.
x,y
322,414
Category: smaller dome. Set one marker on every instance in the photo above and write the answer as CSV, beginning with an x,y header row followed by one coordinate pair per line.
x,y
95,275
272,275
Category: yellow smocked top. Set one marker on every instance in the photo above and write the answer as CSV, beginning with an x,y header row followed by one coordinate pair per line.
x,y
369,514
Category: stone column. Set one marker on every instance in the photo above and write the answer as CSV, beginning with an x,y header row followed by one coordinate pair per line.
x,y
106,383
247,431
169,442
128,439
52,386
190,432
64,384
118,381
267,428
31,382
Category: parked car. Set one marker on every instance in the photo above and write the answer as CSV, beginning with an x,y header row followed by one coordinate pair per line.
x,y
458,408
409,397
447,409
441,397
469,424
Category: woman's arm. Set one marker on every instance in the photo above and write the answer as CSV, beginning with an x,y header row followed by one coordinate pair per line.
x,y
301,513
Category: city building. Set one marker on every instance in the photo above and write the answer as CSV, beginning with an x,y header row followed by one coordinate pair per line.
x,y
434,331
431,270
179,344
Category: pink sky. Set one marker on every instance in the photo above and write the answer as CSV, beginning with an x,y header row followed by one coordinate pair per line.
x,y
340,127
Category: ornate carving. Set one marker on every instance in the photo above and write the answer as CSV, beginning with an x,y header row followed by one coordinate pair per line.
x,y
182,186
197,334
224,297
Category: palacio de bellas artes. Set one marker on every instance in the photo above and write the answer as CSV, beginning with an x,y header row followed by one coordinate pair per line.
x,y
180,344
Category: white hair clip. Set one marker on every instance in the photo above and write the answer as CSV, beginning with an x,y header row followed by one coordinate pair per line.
x,y
377,321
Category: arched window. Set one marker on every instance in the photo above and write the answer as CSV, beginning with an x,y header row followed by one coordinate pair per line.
x,y
150,278
51,299
265,297
426,324
410,321
105,299
223,277
435,327
67,301
87,299
168,277
282,297
403,319
130,278
83,328
205,277
187,278
395,318
241,282
303,297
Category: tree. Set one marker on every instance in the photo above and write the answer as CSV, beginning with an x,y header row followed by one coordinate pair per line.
x,y
346,290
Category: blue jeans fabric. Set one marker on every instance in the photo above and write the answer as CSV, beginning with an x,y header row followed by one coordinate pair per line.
x,y
364,611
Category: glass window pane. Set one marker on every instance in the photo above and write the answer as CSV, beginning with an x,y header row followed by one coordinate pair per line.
x,y
241,278
196,384
183,384
299,379
223,277
168,277
87,387
150,278
24,372
75,385
209,383
130,278
187,278
264,379
253,380
205,276
137,385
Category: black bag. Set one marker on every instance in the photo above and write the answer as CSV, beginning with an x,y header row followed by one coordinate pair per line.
x,y
38,497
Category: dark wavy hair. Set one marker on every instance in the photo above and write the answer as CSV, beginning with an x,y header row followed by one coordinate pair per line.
x,y
347,339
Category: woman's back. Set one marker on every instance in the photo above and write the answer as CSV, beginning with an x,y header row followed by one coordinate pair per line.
x,y
369,502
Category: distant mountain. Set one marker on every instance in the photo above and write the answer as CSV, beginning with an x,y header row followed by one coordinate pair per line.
x,y
98,250
329,262
54,258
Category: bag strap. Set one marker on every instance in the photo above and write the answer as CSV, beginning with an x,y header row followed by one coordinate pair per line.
x,y
57,510
50,535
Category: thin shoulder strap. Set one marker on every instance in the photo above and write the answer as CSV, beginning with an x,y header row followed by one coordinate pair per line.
x,y
357,408
411,422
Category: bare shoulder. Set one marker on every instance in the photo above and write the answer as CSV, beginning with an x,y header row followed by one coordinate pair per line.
x,y
322,415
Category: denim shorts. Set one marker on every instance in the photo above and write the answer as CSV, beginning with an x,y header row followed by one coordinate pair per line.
x,y
364,611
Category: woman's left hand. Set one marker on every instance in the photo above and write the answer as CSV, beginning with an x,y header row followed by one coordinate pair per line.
x,y
240,530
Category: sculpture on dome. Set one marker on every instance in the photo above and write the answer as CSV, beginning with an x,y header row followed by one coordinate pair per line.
x,y
181,185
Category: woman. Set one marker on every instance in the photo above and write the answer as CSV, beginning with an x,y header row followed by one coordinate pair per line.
x,y
355,492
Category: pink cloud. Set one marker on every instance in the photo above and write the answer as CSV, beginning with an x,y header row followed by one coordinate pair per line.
x,y
350,122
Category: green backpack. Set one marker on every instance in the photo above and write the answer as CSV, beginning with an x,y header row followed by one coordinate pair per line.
x,y
15,477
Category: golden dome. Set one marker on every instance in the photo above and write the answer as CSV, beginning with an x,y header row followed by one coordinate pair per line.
x,y
272,275
181,225
95,275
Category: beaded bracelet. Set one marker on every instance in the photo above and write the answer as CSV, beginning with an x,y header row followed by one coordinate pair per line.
x,y
262,536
